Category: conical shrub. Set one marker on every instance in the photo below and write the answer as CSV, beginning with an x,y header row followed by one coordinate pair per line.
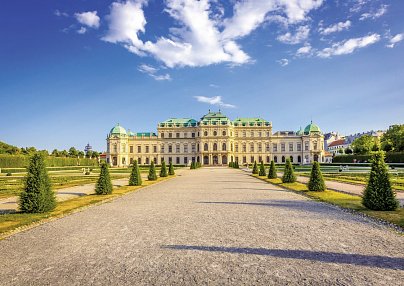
x,y
163,170
288,174
193,166
171,171
255,168
316,182
272,171
104,184
135,178
152,172
262,170
237,166
37,196
378,194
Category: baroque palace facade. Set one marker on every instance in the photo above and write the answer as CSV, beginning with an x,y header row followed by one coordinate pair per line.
x,y
214,140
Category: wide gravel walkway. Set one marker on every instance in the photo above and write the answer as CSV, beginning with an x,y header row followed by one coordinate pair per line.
x,y
208,226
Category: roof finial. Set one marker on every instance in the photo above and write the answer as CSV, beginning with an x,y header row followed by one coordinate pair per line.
x,y
219,110
209,110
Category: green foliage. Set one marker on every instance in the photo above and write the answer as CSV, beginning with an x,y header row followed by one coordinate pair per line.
x,y
391,157
255,168
262,170
288,173
37,196
152,172
9,174
236,165
163,170
135,178
272,171
22,161
171,171
316,182
341,151
8,149
378,194
231,164
363,145
393,139
193,166
104,184
348,151
198,165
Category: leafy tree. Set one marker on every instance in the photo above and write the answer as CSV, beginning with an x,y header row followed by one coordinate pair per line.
x,y
89,154
80,154
262,170
316,182
255,168
9,149
171,171
73,152
163,170
288,174
135,177
363,145
55,153
193,166
96,154
104,184
152,172
393,139
64,153
378,194
272,171
348,150
37,196
341,151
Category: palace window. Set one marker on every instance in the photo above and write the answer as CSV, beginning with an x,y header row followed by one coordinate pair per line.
x,y
224,146
283,159
177,135
205,133
130,160
154,149
123,148
170,159
193,148
290,146
185,160
235,134
267,133
147,161
260,159
236,146
193,134
205,147
147,149
215,133
214,147
306,146
177,148
275,159
162,148
291,159
251,147
267,147
162,135
224,133
170,148
274,147
177,160
252,159
170,135
185,134
282,147
259,133
244,159
259,147
131,149
299,159
252,133
299,147
231,147
139,149
185,148
315,145
268,159
139,160
244,134
244,147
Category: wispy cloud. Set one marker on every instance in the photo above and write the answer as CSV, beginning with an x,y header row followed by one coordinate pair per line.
x,y
283,62
301,35
213,85
82,30
214,100
153,72
375,14
348,46
60,13
338,27
305,50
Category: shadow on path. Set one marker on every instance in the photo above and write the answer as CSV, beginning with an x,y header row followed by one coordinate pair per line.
x,y
376,261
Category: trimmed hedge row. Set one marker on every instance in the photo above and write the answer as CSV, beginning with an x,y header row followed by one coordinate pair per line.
x,y
391,157
21,161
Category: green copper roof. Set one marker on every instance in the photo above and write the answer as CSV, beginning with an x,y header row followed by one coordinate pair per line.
x,y
311,128
118,130
145,134
300,131
250,121
179,122
215,116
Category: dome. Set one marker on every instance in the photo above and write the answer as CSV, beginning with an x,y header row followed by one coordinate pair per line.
x,y
118,130
300,131
311,128
130,133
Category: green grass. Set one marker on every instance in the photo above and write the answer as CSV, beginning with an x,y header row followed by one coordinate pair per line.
x,y
11,222
341,199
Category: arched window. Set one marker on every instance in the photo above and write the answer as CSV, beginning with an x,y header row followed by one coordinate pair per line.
x,y
215,133
283,159
224,146
205,133
214,147
205,147
299,159
291,159
276,159
224,133
251,147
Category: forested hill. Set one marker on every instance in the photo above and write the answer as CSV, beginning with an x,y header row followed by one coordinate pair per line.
x,y
8,149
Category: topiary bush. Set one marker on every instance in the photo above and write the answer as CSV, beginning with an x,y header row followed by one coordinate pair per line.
x,y
37,196
316,182
288,173
163,170
378,194
104,184
171,171
262,170
255,168
152,172
135,177
193,166
272,171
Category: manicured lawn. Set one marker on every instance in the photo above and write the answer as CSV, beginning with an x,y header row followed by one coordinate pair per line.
x,y
9,222
343,200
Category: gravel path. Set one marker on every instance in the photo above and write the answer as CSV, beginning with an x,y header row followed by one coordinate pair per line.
x,y
208,226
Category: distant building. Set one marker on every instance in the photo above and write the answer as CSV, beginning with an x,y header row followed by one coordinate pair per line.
x,y
331,137
88,148
336,145
350,138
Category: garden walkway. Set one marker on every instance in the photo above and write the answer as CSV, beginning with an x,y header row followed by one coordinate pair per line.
x,y
215,226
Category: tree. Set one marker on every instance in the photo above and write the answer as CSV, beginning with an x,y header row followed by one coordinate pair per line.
x,y
55,153
316,182
272,171
393,139
363,145
341,151
135,177
348,150
288,174
163,170
73,152
378,194
104,184
236,165
171,171
152,172
37,196
193,165
255,168
89,154
80,154
262,170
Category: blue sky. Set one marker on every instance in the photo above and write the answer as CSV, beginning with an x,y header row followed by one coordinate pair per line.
x,y
71,70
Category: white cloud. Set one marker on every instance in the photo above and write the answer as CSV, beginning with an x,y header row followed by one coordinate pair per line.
x,y
214,100
152,71
338,27
358,5
301,35
202,36
376,14
283,62
394,40
89,19
213,85
60,14
82,30
305,50
348,46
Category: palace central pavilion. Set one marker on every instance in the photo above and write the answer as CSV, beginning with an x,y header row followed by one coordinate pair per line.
x,y
214,140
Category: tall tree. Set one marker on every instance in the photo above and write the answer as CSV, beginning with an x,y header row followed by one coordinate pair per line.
x,y
393,139
262,170
316,182
135,177
288,173
272,171
163,170
104,184
255,168
152,172
171,171
363,145
378,194
73,152
37,196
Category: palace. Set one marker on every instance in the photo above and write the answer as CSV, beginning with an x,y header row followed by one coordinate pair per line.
x,y
214,140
